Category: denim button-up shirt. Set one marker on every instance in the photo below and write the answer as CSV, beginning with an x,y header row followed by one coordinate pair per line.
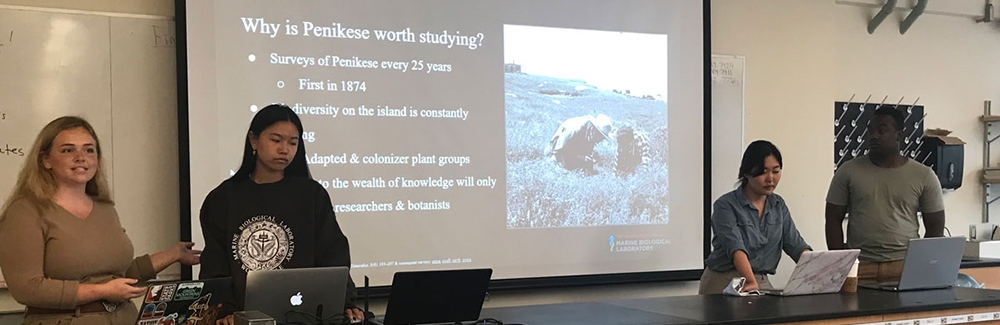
x,y
737,227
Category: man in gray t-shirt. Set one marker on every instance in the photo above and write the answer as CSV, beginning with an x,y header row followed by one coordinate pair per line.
x,y
883,191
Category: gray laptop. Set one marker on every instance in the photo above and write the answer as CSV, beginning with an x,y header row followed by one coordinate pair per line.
x,y
818,272
302,295
930,263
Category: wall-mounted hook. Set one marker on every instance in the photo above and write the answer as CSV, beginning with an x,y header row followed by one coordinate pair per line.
x,y
987,14
917,11
881,15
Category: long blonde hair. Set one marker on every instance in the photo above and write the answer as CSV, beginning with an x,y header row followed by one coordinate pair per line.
x,y
36,183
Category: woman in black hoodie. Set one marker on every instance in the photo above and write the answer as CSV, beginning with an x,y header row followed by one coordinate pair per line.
x,y
271,214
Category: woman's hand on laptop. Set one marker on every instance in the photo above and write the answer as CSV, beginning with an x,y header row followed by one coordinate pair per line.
x,y
354,314
122,289
228,320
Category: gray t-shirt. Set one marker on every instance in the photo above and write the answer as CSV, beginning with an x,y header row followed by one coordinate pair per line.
x,y
882,205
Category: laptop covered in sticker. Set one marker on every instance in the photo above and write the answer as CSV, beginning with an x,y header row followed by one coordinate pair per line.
x,y
193,302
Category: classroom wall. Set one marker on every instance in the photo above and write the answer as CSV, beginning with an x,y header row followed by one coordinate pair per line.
x,y
163,8
802,55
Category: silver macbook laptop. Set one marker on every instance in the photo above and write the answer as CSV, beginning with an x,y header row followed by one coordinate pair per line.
x,y
930,263
818,272
302,295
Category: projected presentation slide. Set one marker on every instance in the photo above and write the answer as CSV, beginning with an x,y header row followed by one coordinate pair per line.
x,y
537,138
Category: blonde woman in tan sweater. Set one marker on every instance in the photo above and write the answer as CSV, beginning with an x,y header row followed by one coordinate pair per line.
x,y
63,251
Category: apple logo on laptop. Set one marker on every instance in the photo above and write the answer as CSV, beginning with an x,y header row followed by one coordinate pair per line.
x,y
296,299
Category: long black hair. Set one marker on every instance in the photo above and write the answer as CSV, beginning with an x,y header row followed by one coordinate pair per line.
x,y
753,159
264,118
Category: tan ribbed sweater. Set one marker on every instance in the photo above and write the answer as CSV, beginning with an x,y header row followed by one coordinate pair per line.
x,y
46,256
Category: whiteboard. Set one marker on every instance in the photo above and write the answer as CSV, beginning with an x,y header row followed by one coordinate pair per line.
x,y
118,72
727,121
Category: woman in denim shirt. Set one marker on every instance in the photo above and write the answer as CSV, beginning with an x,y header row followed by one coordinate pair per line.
x,y
751,226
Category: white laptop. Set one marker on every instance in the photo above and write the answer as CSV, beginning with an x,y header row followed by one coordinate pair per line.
x,y
818,272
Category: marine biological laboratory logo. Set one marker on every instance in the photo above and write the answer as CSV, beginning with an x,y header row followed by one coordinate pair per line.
x,y
263,244
635,243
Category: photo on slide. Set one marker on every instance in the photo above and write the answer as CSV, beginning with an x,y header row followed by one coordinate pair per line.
x,y
586,127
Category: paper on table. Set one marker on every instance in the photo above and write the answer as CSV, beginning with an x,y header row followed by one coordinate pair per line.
x,y
735,288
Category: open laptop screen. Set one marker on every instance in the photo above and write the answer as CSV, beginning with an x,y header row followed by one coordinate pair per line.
x,y
425,297
304,295
194,302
